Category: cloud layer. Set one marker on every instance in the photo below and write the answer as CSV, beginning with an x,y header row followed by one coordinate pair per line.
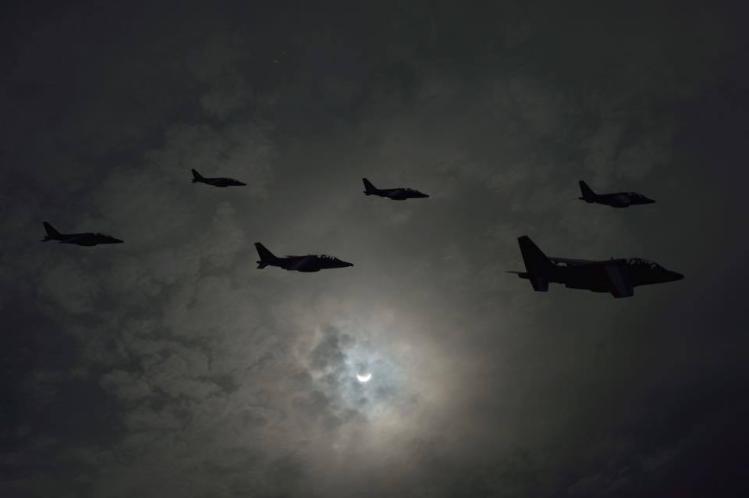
x,y
171,366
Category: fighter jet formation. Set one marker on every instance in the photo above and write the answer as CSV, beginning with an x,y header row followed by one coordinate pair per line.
x,y
617,200
616,276
82,239
308,264
216,182
394,194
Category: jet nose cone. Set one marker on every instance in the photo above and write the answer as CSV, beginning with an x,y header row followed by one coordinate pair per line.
x,y
676,276
118,241
346,264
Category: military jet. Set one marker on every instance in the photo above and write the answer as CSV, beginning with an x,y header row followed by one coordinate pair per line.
x,y
617,276
216,182
81,239
307,264
617,200
394,194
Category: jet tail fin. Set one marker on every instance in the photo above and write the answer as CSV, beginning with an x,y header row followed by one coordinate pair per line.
x,y
537,265
196,177
266,257
586,191
369,189
52,234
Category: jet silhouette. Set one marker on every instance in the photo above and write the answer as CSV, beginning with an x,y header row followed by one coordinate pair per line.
x,y
617,200
309,263
394,194
216,182
617,276
81,239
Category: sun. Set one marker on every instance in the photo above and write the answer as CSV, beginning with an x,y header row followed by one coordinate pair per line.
x,y
364,377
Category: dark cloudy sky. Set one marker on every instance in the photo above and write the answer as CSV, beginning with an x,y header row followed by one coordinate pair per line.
x,y
171,367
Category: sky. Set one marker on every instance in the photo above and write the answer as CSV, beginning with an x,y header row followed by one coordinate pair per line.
x,y
170,366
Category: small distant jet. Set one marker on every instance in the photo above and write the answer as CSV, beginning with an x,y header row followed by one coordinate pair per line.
x,y
216,182
617,200
394,194
81,239
309,263
617,276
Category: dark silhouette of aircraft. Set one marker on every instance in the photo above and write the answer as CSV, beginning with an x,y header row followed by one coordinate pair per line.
x,y
617,200
617,276
216,182
81,239
309,263
394,194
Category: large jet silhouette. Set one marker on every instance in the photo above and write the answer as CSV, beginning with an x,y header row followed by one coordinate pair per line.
x,y
617,276
309,263
81,239
394,194
216,182
617,200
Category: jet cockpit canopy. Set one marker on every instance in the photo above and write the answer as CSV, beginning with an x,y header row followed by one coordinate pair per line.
x,y
644,262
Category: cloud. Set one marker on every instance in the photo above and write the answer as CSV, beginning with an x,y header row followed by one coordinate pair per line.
x,y
71,287
171,366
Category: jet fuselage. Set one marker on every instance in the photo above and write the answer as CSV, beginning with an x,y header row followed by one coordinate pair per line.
x,y
596,275
222,182
619,199
310,263
88,239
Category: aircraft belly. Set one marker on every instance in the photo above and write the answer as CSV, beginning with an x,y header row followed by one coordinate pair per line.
x,y
82,241
308,266
584,278
308,270
586,286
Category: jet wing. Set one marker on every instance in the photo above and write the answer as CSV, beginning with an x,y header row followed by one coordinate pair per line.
x,y
301,263
78,237
619,283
